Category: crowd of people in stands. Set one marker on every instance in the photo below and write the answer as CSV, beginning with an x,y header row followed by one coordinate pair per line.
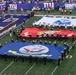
x,y
32,1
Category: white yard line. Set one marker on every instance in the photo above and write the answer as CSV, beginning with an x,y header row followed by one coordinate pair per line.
x,y
7,67
54,70
30,68
57,66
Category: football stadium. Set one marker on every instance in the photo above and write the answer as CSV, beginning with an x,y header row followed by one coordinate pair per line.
x,y
37,37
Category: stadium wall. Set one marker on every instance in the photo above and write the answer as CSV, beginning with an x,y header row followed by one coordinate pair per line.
x,y
29,6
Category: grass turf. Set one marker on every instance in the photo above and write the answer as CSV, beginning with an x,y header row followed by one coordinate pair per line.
x,y
18,68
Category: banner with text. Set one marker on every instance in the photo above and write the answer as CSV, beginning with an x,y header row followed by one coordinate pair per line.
x,y
29,6
70,6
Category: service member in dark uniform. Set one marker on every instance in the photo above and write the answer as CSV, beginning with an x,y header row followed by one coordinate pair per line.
x,y
42,35
52,36
45,42
15,58
73,45
65,37
24,20
64,51
62,55
47,35
72,38
30,58
36,60
67,49
37,36
59,60
40,41
57,36
60,36
22,58
14,33
44,60
30,36
5,56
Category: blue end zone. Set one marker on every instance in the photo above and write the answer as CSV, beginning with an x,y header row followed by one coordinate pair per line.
x,y
26,49
18,22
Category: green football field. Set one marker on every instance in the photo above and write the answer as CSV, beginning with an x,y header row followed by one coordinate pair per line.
x,y
67,66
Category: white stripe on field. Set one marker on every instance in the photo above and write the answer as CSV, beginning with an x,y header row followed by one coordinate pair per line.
x,y
30,68
54,70
7,67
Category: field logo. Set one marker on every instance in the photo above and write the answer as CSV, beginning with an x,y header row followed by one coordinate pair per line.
x,y
34,49
62,22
